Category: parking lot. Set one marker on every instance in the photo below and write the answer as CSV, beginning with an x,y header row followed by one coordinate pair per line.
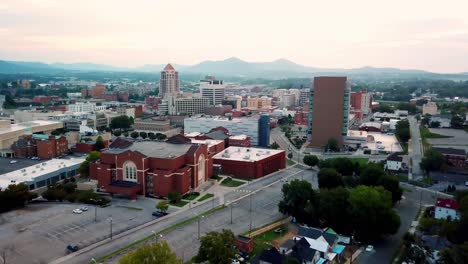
x,y
458,138
40,233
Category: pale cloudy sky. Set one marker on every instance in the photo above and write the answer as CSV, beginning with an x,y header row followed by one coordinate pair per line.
x,y
422,34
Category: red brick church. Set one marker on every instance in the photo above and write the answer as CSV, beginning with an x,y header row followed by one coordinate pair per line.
x,y
152,168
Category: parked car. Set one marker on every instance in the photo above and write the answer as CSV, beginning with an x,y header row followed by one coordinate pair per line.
x,y
72,248
378,142
369,248
159,213
13,161
84,208
381,147
77,211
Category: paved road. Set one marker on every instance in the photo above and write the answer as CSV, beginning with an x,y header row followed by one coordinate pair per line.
x,y
278,137
407,209
184,239
415,148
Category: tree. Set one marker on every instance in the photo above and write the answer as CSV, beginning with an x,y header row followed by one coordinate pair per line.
x,y
120,122
162,206
384,108
455,255
125,134
9,102
117,133
216,248
15,196
299,200
332,145
143,135
329,178
174,197
84,168
411,108
457,121
402,130
310,160
134,134
274,145
432,160
371,174
151,136
93,156
290,155
99,143
157,253
376,202
343,165
392,184
160,136
334,209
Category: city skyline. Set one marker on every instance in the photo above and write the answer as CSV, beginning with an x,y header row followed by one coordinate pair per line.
x,y
427,35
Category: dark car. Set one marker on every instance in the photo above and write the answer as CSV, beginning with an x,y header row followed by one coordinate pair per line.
x,y
72,248
159,214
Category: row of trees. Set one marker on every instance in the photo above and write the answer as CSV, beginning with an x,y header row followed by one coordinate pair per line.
x,y
15,196
142,134
347,211
402,130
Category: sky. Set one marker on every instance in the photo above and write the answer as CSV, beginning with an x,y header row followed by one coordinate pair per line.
x,y
410,34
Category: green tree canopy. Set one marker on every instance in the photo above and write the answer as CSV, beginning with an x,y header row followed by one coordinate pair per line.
x,y
372,213
156,253
216,248
432,160
332,145
299,200
310,160
329,178
120,122
99,143
134,134
402,130
143,135
371,174
334,209
162,206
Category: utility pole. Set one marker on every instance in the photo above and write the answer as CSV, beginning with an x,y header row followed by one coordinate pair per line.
x,y
110,221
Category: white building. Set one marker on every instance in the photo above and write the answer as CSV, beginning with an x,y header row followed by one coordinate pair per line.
x,y
236,126
82,107
394,163
430,108
42,174
446,208
212,89
183,105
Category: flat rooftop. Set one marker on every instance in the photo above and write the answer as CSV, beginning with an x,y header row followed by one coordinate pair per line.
x,y
29,173
246,154
26,125
390,142
221,119
239,137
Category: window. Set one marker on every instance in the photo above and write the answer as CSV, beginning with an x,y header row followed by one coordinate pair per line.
x,y
130,171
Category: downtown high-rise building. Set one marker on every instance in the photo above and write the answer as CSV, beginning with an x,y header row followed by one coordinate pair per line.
x,y
169,82
328,110
212,89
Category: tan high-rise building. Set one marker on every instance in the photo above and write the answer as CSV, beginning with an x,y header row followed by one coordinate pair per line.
x,y
328,110
169,82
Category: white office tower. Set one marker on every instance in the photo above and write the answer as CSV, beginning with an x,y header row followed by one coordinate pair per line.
x,y
212,89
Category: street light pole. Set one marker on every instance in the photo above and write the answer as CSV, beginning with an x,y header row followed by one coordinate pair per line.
x,y
250,213
199,226
110,221
232,204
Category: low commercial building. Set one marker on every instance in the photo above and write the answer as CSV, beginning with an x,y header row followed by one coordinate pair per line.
x,y
155,124
430,108
42,174
250,163
9,133
151,168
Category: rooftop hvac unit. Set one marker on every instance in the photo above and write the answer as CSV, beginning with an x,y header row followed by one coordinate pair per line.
x,y
42,169
247,157
37,166
33,171
23,170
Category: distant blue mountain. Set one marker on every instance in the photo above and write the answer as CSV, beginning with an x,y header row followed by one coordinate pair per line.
x,y
281,68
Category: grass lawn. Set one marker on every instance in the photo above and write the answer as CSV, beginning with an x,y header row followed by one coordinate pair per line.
x,y
229,182
426,133
180,203
190,196
263,241
206,197
290,162
362,161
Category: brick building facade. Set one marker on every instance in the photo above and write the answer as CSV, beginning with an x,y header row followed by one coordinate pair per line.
x,y
151,168
41,146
